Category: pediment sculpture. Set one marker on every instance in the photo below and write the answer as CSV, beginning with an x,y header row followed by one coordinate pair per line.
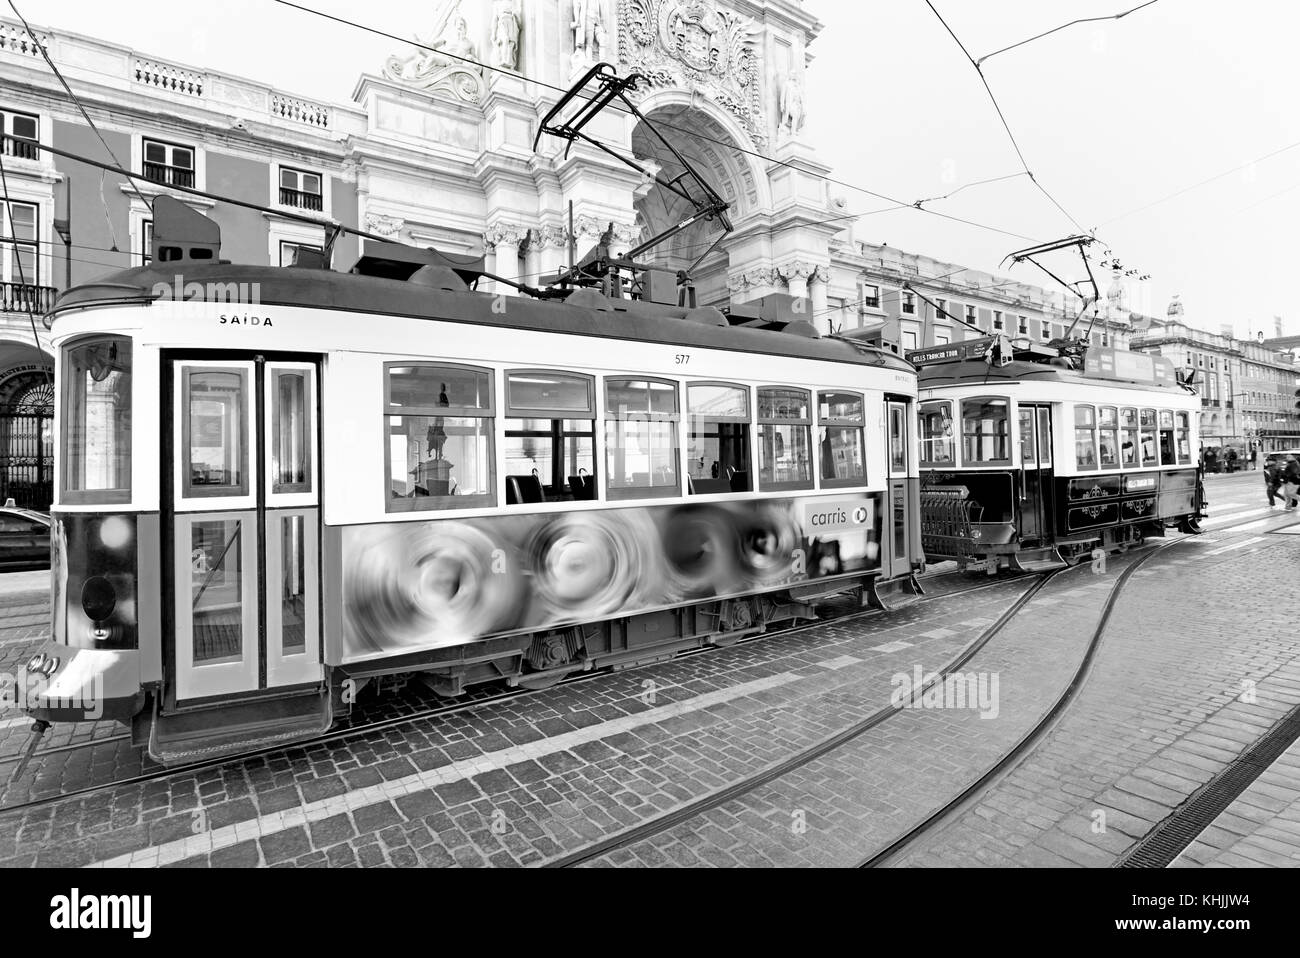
x,y
696,45
446,63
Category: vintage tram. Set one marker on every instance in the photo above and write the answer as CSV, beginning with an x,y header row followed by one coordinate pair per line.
x,y
1036,454
277,484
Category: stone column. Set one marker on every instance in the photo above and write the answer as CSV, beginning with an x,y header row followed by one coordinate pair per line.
x,y
817,287
505,238
796,276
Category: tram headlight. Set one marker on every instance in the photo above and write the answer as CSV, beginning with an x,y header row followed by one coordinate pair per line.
x,y
98,598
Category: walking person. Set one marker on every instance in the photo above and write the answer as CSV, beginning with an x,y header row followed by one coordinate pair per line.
x,y
1272,481
1254,455
1291,483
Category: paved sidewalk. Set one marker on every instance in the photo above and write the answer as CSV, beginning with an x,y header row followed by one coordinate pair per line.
x,y
1260,828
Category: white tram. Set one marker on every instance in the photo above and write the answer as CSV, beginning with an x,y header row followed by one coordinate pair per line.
x,y
263,505
1034,453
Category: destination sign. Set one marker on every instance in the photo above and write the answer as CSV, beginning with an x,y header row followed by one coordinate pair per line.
x,y
951,353
1107,362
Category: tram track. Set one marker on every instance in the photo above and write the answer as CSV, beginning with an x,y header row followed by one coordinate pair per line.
x,y
692,809
1028,742
442,711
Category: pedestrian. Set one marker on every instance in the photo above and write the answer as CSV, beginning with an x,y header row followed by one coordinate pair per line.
x,y
1291,483
1272,480
1254,456
1232,460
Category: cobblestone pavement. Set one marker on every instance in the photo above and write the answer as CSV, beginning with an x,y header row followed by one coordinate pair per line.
x,y
1260,828
512,783
1195,667
533,779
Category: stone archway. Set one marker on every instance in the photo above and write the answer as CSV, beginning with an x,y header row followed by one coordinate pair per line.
x,y
710,144
26,426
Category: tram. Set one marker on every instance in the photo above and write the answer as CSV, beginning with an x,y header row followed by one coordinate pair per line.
x,y
1033,454
285,483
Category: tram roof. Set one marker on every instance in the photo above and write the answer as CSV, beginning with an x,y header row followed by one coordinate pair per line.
x,y
994,359
584,313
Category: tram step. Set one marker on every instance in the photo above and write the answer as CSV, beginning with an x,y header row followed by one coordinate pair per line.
x,y
894,593
218,730
1042,559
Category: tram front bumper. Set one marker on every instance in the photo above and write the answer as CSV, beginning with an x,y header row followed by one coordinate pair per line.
x,y
62,684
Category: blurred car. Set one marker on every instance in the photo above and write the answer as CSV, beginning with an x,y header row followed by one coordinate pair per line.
x,y
24,538
1281,455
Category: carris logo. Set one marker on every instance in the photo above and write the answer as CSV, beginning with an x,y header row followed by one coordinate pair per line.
x,y
76,911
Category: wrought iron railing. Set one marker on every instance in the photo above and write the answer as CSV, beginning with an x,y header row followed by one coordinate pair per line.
x,y
300,199
169,175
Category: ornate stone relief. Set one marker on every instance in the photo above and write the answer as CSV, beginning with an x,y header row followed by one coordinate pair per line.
x,y
791,106
511,234
694,44
440,66
386,226
590,34
752,278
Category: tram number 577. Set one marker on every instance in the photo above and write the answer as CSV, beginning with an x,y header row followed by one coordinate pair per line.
x,y
683,359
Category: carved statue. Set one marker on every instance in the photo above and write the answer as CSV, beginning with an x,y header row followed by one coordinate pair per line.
x,y
447,62
589,36
505,35
792,113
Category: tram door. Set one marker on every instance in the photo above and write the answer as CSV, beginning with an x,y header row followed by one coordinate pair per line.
x,y
1036,471
900,535
245,509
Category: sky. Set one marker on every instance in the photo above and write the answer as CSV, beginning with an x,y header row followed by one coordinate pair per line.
x,y
1112,118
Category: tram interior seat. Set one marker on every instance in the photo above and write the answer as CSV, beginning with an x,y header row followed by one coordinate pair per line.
x,y
583,486
739,480
523,489
708,487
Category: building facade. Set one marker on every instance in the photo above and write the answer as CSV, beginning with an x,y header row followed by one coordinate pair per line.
x,y
1248,388
436,148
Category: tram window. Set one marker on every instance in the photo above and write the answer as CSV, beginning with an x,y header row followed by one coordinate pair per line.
x,y
550,437
1167,457
641,446
784,439
1028,456
985,428
717,448
1184,439
440,428
214,431
291,431
1044,436
936,433
96,420
841,417
1128,437
1108,436
1085,437
1147,421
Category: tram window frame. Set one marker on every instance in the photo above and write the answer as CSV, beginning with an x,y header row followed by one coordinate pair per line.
x,y
979,435
558,433
239,431
72,478
774,424
614,444
485,417
942,409
730,440
1024,413
1130,433
1085,430
825,423
1108,428
1148,434
1183,437
1166,437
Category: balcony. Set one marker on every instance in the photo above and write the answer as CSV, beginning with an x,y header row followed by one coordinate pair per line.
x,y
300,200
169,175
22,149
26,298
